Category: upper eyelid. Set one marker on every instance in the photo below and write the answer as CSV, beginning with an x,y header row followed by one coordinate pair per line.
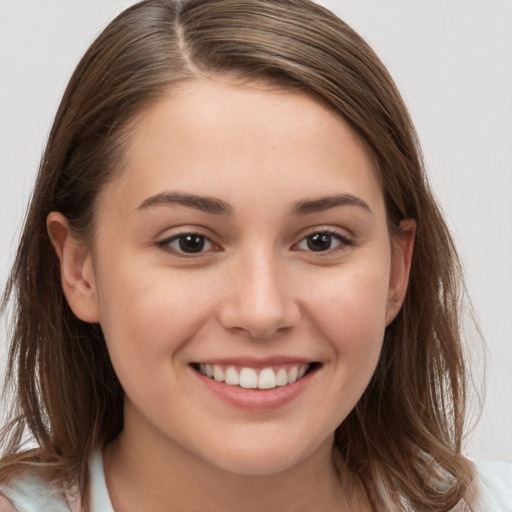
x,y
342,233
169,238
185,230
185,233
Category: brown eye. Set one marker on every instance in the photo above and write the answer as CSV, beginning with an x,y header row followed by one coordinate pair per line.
x,y
191,243
319,242
187,243
323,241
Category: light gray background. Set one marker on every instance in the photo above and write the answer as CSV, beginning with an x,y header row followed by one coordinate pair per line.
x,y
451,60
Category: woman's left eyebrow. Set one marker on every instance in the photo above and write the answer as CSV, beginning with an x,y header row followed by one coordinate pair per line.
x,y
308,206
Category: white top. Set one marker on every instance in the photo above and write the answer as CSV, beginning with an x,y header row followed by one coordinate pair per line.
x,y
100,500
495,480
30,494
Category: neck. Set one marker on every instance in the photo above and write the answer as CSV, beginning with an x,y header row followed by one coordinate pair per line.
x,y
141,475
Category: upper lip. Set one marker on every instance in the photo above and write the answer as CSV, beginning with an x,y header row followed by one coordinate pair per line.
x,y
255,362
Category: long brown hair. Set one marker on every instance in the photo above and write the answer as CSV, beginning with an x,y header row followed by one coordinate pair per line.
x,y
403,439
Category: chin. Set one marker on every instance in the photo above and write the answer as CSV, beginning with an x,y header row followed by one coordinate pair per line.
x,y
257,466
266,458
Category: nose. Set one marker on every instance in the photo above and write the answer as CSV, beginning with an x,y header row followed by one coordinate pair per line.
x,y
259,299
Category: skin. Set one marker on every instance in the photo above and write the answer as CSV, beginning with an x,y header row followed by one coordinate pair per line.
x,y
257,290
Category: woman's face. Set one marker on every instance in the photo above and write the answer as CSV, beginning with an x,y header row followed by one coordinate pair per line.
x,y
244,241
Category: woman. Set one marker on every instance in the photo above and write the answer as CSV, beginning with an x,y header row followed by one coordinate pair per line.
x,y
234,286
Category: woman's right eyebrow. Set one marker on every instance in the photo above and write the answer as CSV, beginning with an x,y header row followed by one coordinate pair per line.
x,y
205,204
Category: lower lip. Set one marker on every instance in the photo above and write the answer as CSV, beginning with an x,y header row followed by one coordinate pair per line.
x,y
256,398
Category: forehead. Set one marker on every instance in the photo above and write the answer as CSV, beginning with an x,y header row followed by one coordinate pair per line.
x,y
219,136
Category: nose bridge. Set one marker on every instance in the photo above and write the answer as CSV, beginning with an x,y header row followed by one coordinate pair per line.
x,y
261,298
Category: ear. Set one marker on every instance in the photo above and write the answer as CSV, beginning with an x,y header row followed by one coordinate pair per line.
x,y
401,257
76,268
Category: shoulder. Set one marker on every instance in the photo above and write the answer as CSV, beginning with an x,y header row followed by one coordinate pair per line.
x,y
30,493
494,479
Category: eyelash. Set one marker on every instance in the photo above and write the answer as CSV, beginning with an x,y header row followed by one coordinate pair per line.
x,y
165,244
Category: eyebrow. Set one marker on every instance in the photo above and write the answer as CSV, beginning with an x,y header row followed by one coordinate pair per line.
x,y
216,206
308,206
202,203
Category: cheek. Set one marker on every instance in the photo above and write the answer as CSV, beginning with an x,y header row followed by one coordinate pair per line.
x,y
350,314
147,320
354,297
349,319
147,317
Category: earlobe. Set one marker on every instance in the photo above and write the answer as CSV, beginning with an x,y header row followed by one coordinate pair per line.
x,y
401,259
76,268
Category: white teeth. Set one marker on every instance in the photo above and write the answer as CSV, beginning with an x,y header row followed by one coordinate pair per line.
x,y
267,379
292,374
232,378
218,374
281,377
249,378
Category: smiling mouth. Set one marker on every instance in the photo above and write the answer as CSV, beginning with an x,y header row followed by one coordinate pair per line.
x,y
252,378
